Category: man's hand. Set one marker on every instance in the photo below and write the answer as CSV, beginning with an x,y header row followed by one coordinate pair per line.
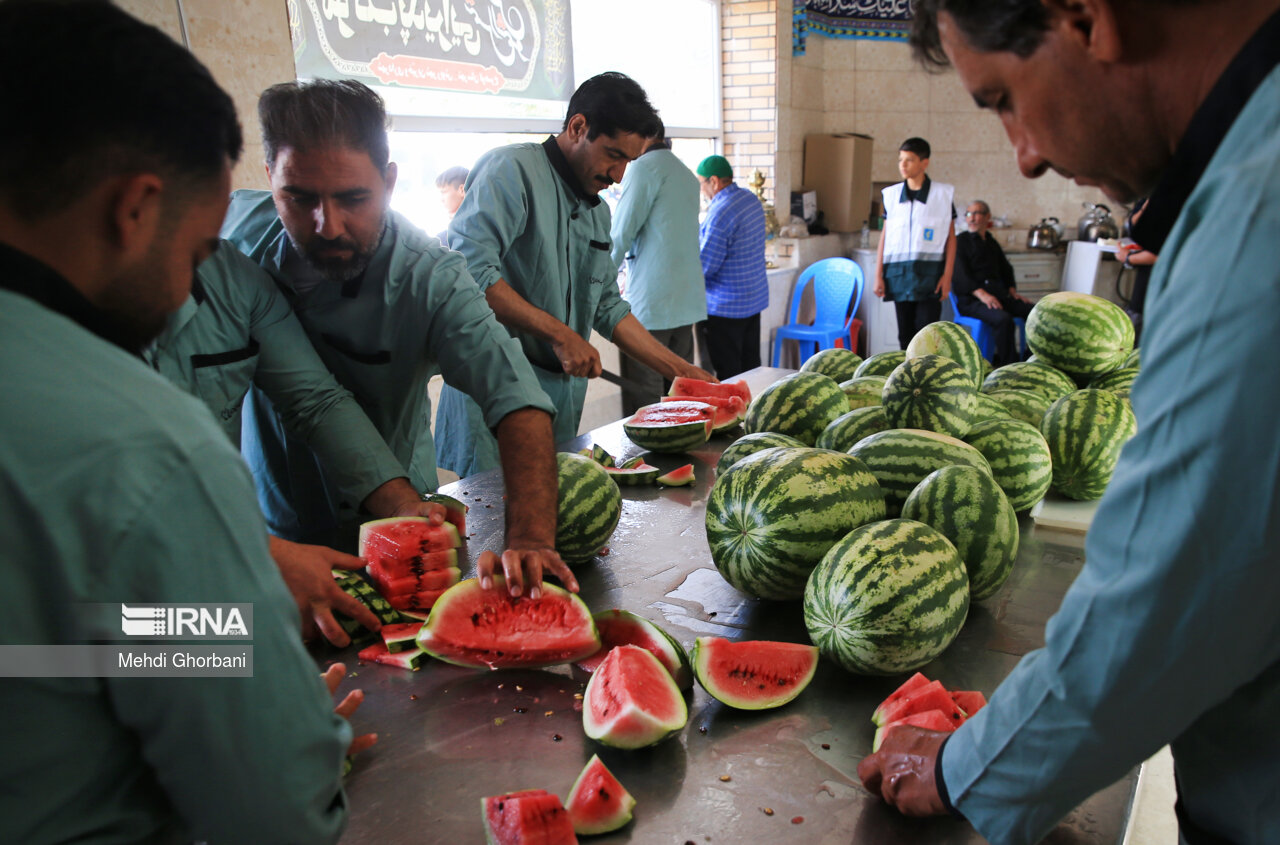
x,y
901,772
943,288
988,300
577,356
332,677
878,287
1013,293
521,566
308,573
690,371
398,497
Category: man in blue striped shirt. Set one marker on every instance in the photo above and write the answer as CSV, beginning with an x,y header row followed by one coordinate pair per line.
x,y
731,244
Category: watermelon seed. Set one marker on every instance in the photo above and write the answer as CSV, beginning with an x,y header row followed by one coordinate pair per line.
x,y
702,729
768,811
519,688
520,709
712,613
556,737
413,697
548,713
826,746
725,778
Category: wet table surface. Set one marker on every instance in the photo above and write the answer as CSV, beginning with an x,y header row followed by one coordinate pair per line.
x,y
449,736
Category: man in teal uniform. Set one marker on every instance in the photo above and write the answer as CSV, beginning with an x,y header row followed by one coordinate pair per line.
x,y
118,487
535,235
1170,633
655,229
386,307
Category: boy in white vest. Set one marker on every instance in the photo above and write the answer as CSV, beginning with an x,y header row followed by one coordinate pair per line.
x,y
918,246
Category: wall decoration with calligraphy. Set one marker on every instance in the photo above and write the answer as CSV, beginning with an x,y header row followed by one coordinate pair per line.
x,y
505,48
871,19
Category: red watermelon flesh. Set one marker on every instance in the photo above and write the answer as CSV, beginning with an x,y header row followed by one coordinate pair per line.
x,y
598,803
914,682
531,817
681,477
970,701
933,720
415,603
401,636
378,653
631,700
403,537
730,410
432,579
690,387
931,696
674,413
622,627
753,674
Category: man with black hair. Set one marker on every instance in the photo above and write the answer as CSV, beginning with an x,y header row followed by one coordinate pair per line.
x,y
386,307
117,486
917,250
535,234
1169,634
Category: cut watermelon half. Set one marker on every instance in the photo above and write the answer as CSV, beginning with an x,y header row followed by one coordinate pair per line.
x,y
472,626
598,803
686,387
671,426
634,476
730,410
931,696
631,700
378,653
455,512
933,720
681,477
525,818
753,674
622,627
914,682
402,636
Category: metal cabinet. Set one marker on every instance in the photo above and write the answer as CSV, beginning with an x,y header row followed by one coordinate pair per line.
x,y
1036,273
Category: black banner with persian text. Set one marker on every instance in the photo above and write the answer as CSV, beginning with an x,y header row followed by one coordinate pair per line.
x,y
870,19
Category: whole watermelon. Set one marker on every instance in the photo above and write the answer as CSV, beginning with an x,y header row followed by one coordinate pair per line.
x,y
847,429
863,392
971,511
887,599
749,444
930,392
800,405
590,504
1026,405
1080,334
989,409
952,341
881,363
1035,376
1085,432
839,364
900,459
1019,457
1119,381
773,515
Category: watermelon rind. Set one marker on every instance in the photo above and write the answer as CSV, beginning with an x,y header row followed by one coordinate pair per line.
x,y
622,627
969,509
749,444
1081,334
900,458
671,426
887,599
488,629
800,405
864,391
1020,460
951,341
773,515
631,700
597,802
839,364
597,453
753,674
881,364
1086,431
634,476
680,477
1035,376
589,506
930,392
847,429
380,654
401,636
455,510
1026,405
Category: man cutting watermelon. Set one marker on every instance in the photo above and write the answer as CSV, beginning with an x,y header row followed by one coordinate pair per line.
x,y
1169,635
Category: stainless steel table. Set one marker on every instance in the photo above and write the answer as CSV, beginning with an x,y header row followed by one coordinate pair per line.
x,y
449,736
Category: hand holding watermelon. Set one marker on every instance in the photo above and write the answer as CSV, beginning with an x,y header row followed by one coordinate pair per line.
x,y
902,771
308,573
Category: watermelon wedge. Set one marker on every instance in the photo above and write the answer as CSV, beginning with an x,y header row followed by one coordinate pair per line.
x,y
671,426
622,627
933,720
631,700
730,410
681,477
598,803
455,512
411,561
378,653
402,636
914,682
598,454
686,387
634,476
753,674
527,817
931,696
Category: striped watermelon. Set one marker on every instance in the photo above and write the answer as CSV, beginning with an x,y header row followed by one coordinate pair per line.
x,y
1019,458
590,504
971,511
1134,359
900,459
847,429
930,392
887,599
1080,334
950,340
800,405
839,364
881,364
1030,375
671,426
989,409
749,444
1026,405
1085,432
987,367
1119,382
863,392
773,515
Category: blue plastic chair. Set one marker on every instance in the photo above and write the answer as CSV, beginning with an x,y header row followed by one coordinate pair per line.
x,y
837,290
983,334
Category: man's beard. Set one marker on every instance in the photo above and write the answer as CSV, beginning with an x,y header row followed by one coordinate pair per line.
x,y
339,269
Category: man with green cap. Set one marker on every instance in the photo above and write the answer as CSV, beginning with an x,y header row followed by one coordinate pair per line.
x,y
731,243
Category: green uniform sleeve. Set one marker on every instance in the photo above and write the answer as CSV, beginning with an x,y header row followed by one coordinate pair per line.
x,y
240,759
493,214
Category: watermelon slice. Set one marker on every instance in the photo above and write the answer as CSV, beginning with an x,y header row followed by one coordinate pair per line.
x,y
931,696
933,720
730,410
753,674
622,627
527,817
686,387
914,682
391,568
417,604
402,537
970,701
378,653
631,463
455,512
631,700
598,803
681,477
402,636
432,579
598,454
472,626
634,476
671,426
